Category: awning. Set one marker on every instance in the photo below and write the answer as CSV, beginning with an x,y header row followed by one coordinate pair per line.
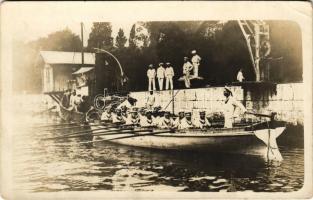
x,y
83,70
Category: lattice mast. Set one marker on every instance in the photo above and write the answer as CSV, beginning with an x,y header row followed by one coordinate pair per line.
x,y
256,34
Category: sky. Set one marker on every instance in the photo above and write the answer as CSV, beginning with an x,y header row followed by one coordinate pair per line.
x,y
28,21
32,20
32,31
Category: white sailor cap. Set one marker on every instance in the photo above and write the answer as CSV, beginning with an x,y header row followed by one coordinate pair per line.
x,y
193,51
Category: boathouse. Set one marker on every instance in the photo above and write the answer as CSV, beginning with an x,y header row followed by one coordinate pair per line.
x,y
58,68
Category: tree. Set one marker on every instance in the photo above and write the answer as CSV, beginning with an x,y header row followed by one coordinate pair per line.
x,y
120,39
64,40
100,36
139,36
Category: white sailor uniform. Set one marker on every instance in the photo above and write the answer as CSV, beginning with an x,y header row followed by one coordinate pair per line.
x,y
106,116
229,108
187,67
196,63
117,118
169,74
186,124
145,122
151,77
166,123
202,123
160,75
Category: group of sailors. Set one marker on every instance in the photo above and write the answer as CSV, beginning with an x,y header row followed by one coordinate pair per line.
x,y
161,73
167,73
144,117
147,118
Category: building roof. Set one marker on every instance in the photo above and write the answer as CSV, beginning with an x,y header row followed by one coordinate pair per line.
x,y
62,57
83,70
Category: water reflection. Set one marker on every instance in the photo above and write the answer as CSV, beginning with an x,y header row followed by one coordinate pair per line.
x,y
68,165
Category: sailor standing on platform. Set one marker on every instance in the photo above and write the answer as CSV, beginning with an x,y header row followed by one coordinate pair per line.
x,y
160,75
202,121
186,123
195,62
117,117
187,67
151,77
240,76
229,107
169,74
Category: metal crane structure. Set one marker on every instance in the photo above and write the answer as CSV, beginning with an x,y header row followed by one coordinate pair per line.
x,y
256,34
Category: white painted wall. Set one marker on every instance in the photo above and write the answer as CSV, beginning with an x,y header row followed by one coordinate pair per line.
x,y
288,102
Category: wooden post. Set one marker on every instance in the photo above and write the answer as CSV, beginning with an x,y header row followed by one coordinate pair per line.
x,y
82,34
173,106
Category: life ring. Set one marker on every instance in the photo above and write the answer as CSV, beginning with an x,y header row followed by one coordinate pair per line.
x,y
92,115
99,102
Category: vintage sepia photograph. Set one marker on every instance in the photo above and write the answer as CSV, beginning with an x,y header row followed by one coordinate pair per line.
x,y
113,102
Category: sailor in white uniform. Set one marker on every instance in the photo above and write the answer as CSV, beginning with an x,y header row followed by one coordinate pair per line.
x,y
187,67
133,118
107,115
151,77
169,74
150,101
186,123
117,117
160,75
166,121
202,121
229,107
124,112
240,76
141,113
195,62
148,120
178,120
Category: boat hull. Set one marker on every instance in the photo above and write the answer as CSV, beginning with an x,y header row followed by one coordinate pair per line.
x,y
220,140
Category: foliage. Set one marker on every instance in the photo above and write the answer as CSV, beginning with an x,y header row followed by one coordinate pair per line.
x,y
221,46
100,36
120,39
63,40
